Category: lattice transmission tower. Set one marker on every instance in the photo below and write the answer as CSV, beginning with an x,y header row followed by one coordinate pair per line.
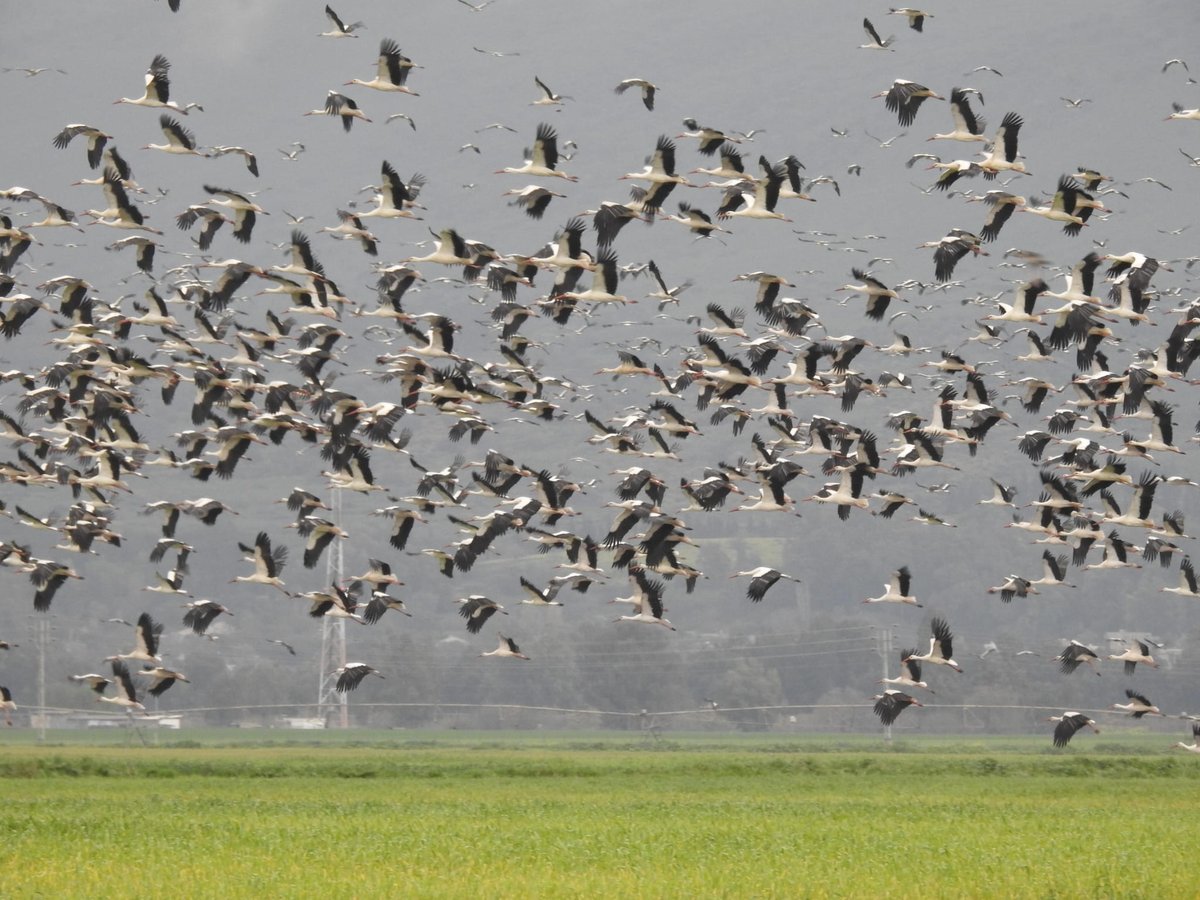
x,y
333,633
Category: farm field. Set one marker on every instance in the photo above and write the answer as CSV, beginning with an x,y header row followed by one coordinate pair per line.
x,y
481,815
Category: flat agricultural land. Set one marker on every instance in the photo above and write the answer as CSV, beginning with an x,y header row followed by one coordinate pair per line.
x,y
375,814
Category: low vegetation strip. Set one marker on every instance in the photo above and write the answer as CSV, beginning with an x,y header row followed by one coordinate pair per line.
x,y
573,817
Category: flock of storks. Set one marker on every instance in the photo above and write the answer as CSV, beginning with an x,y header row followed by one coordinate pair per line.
x,y
278,374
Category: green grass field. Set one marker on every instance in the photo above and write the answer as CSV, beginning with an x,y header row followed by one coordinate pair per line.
x,y
374,814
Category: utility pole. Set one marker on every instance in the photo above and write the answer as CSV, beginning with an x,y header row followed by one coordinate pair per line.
x,y
883,645
333,631
42,632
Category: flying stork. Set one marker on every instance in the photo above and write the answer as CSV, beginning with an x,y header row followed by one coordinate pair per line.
x,y
268,562
507,648
543,161
1137,706
7,704
351,675
897,590
905,97
477,609
158,89
146,634
761,580
910,672
1131,657
391,71
940,652
126,695
1194,746
1068,724
891,703
1074,655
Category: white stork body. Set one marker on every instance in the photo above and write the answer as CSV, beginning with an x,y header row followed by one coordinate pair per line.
x,y
1138,705
158,89
1194,746
506,649
180,141
1131,656
543,161
339,29
967,127
146,632
897,590
910,673
395,198
351,675
340,105
940,652
891,703
126,695
1181,113
1003,156
647,603
1068,724
392,70
761,580
268,563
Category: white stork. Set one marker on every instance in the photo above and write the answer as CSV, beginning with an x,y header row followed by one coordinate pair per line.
x,y
910,672
340,29
904,98
248,157
647,89
940,647
507,648
126,695
916,17
877,293
1068,724
146,634
96,140
163,678
340,105
1131,656
268,563
1074,655
1194,746
391,70
351,675
477,609
647,602
202,613
754,198
761,580
549,97
1063,206
180,141
967,127
244,209
158,89
1003,155
1189,585
877,43
543,161
1181,113
1137,706
891,703
897,590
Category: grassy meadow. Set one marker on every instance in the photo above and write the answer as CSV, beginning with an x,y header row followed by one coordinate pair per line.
x,y
471,815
